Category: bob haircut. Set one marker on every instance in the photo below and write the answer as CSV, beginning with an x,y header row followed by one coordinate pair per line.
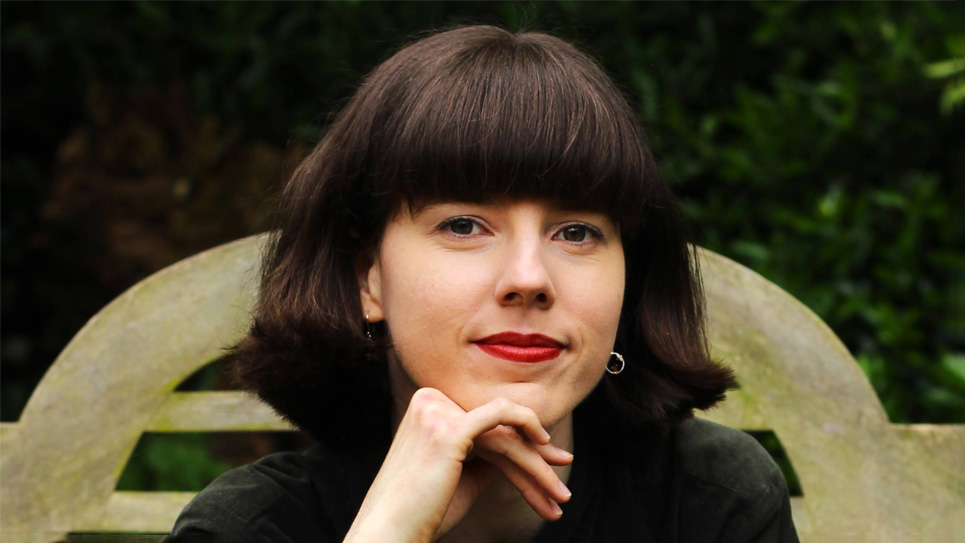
x,y
471,114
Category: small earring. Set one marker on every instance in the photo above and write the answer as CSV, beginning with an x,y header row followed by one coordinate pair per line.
x,y
614,369
368,326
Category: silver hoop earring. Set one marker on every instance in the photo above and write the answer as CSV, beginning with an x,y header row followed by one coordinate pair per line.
x,y
615,368
368,327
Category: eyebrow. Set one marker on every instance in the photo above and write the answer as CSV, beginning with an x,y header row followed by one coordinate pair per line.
x,y
555,206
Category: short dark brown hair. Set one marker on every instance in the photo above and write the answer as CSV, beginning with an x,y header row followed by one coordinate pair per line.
x,y
472,114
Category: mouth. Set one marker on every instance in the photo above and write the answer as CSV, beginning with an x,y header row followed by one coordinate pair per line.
x,y
521,347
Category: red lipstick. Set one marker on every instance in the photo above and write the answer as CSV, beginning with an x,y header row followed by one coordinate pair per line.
x,y
521,347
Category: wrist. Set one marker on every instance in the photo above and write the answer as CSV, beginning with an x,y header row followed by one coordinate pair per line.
x,y
372,530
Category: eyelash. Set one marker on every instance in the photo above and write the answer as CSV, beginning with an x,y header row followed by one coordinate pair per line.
x,y
595,234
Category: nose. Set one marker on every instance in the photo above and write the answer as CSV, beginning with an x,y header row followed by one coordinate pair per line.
x,y
524,279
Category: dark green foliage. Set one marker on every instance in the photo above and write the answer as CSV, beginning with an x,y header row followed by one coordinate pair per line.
x,y
770,441
807,140
172,462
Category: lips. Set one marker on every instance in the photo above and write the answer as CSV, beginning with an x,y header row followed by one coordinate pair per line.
x,y
521,347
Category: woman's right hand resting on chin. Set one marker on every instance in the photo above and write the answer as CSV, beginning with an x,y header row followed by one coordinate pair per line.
x,y
428,482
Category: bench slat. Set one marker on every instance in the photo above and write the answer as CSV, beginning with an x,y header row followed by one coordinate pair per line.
x,y
218,411
144,512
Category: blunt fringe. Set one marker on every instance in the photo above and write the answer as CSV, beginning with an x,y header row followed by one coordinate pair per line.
x,y
472,114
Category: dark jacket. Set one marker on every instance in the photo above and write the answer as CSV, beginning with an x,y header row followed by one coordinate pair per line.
x,y
701,482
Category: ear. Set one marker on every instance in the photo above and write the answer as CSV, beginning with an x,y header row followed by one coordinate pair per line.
x,y
368,272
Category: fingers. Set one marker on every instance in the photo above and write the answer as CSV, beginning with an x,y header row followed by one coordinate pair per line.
x,y
553,455
523,464
499,428
506,413
534,494
429,462
504,434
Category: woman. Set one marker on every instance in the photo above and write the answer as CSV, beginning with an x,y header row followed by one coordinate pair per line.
x,y
477,271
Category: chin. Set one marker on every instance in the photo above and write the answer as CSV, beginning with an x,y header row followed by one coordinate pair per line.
x,y
549,408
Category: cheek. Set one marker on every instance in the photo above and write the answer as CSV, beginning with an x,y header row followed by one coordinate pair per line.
x,y
600,315
429,299
596,303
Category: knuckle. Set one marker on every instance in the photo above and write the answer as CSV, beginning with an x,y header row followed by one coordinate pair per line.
x,y
500,440
505,432
426,409
439,429
424,397
426,403
531,416
502,404
545,473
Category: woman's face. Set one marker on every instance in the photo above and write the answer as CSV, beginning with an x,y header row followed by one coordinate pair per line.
x,y
520,300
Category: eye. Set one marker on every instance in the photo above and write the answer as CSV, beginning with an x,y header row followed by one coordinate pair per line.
x,y
578,233
461,226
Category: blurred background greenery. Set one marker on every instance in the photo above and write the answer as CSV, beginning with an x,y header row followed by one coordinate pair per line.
x,y
822,145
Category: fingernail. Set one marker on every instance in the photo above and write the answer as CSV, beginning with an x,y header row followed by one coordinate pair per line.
x,y
556,508
566,491
546,435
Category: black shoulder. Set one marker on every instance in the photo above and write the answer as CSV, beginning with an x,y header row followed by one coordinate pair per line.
x,y
731,488
727,458
275,498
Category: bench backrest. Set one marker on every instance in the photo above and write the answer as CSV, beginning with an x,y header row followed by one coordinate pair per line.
x,y
863,479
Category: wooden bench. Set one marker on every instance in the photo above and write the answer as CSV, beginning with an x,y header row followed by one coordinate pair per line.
x,y
863,479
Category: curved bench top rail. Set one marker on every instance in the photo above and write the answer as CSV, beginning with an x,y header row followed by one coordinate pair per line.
x,y
860,475
796,377
105,387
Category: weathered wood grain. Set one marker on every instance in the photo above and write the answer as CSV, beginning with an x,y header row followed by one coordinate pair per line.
x,y
863,479
88,412
215,412
137,512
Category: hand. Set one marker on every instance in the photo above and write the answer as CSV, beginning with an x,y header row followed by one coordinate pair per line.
x,y
427,482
